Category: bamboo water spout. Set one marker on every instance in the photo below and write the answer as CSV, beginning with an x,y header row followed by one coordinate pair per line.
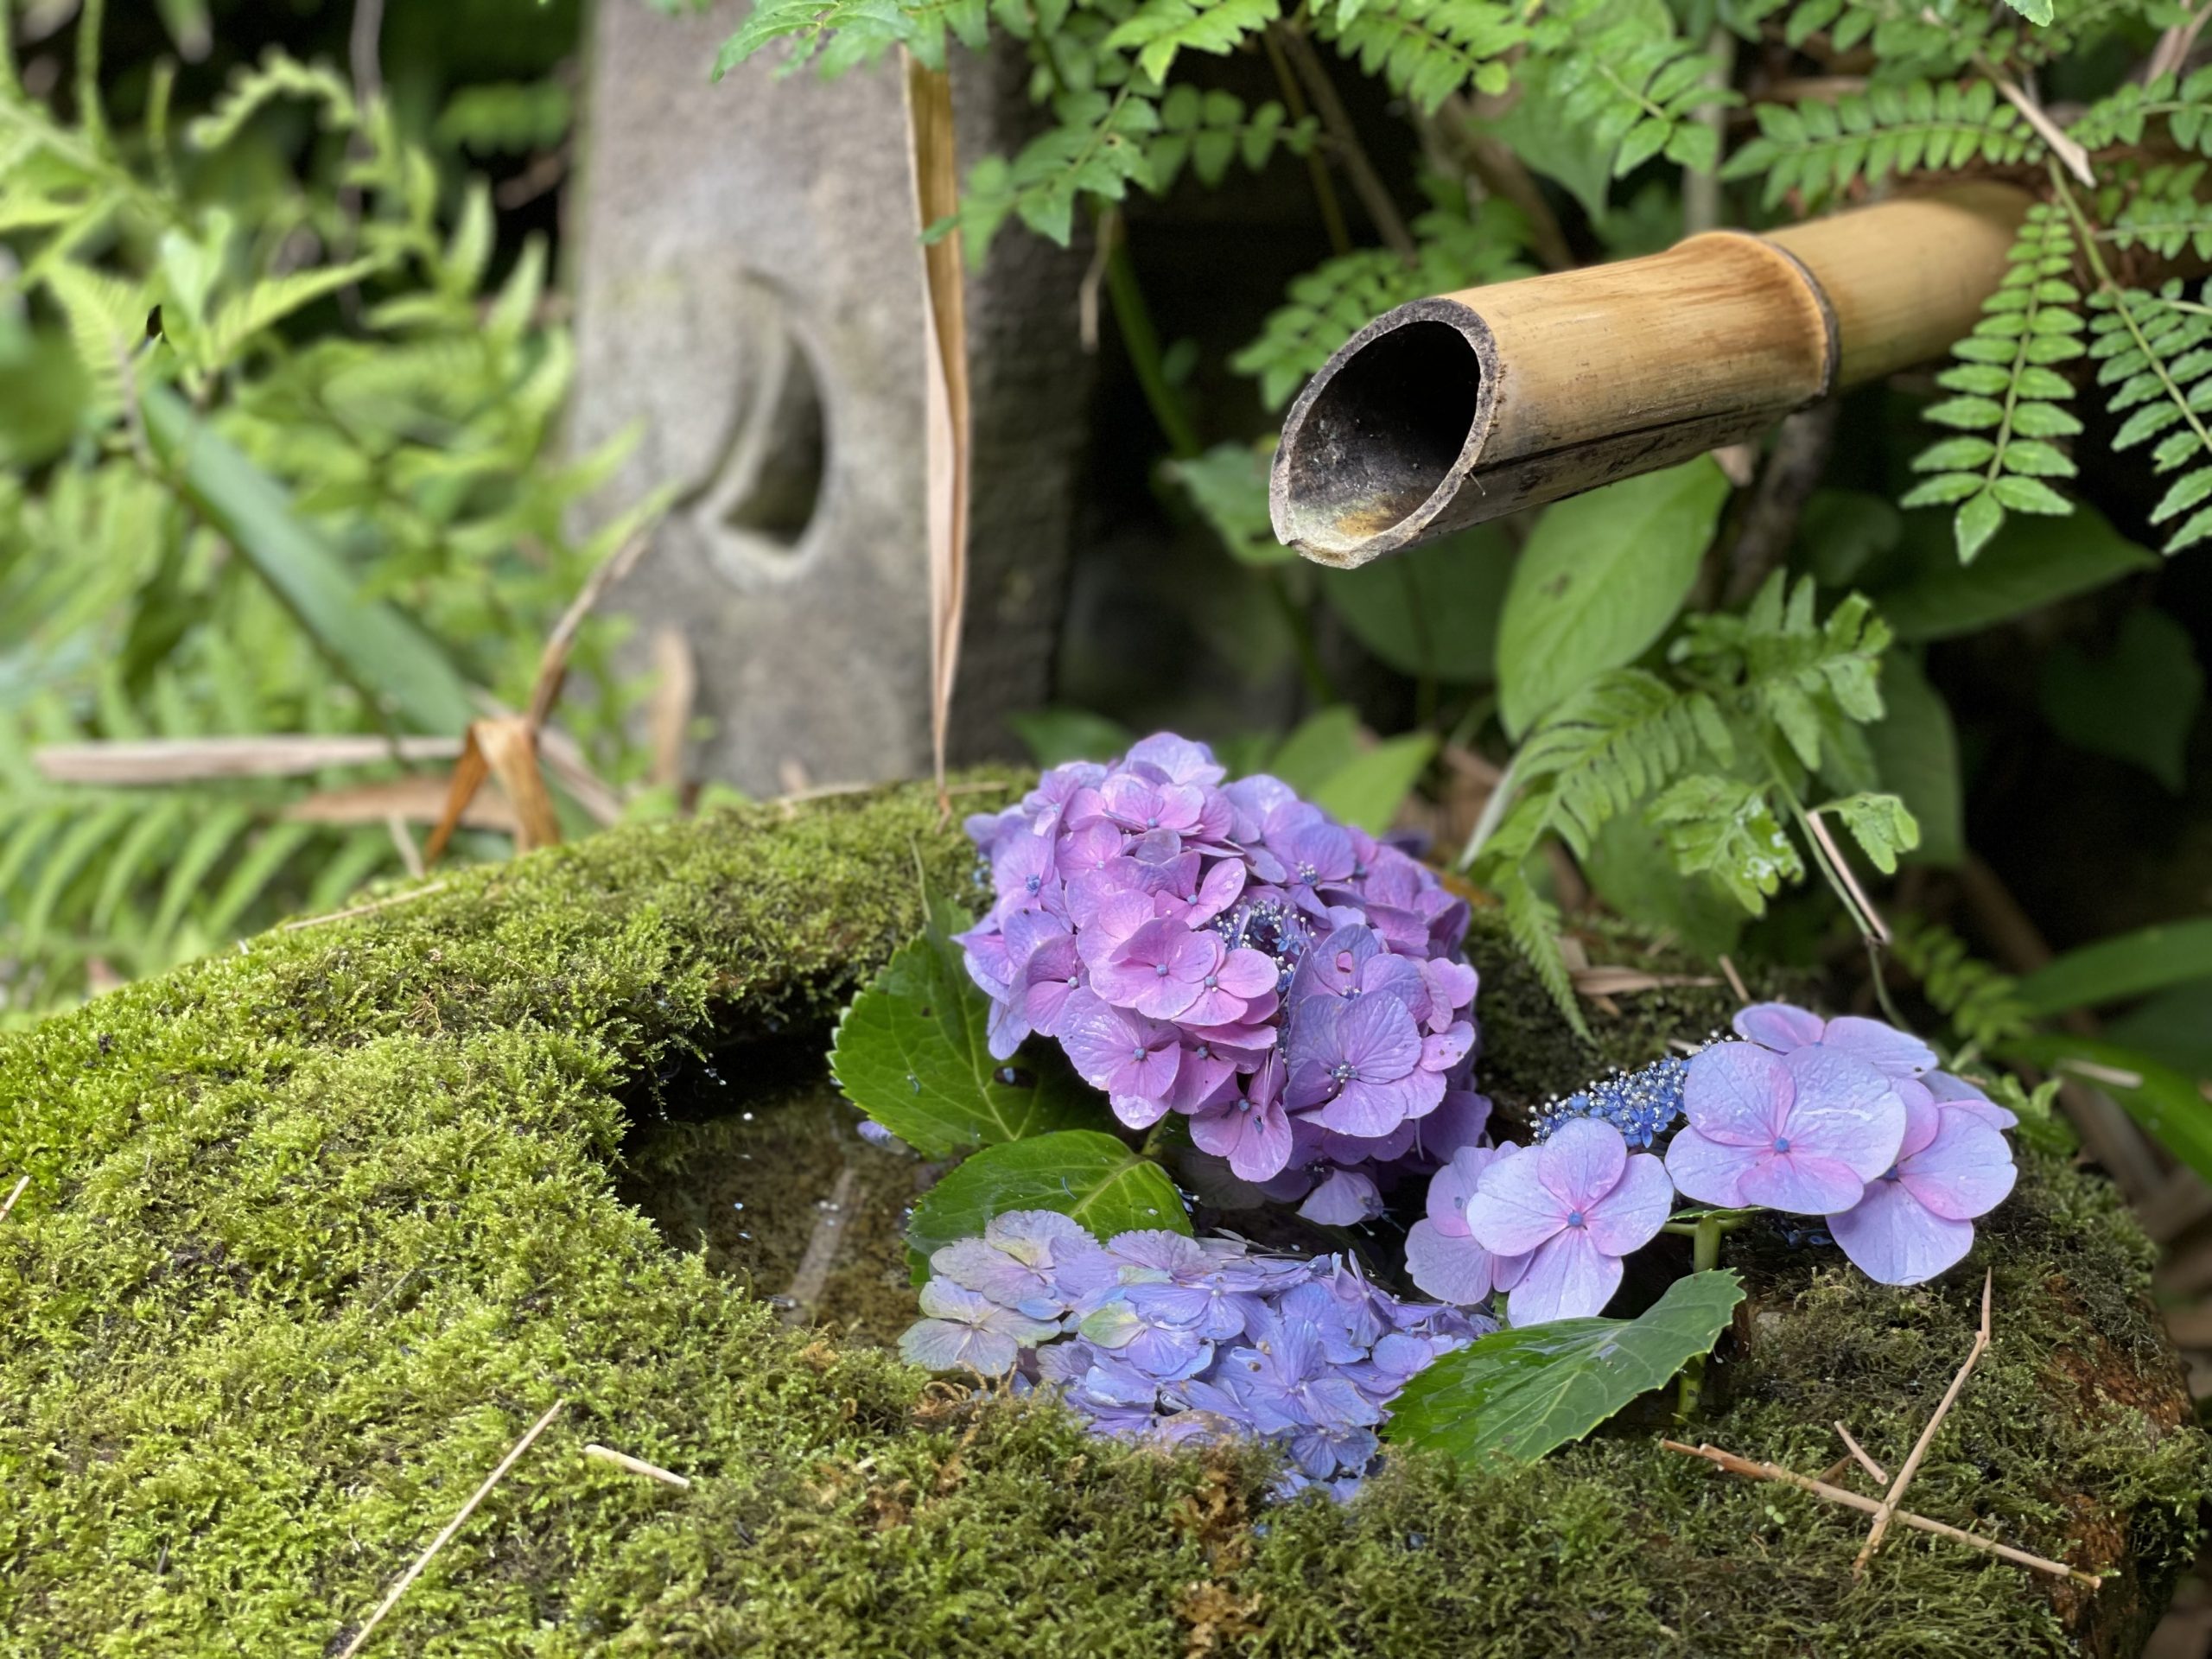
x,y
1449,411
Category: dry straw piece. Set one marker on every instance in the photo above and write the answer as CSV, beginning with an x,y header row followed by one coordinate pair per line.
x,y
391,1597
638,1466
1449,411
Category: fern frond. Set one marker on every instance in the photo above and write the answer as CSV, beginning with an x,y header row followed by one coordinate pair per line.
x,y
1098,150
2154,354
2162,213
280,76
1533,921
1210,131
1724,828
842,34
243,316
2008,393
1338,298
1880,824
1785,671
1825,151
1158,30
106,316
1426,49
1602,751
2184,102
1634,86
1980,1002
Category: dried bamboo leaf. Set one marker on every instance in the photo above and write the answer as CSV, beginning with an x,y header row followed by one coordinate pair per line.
x,y
936,196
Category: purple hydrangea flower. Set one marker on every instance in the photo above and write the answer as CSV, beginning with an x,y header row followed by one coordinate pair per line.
x,y
1573,1206
1158,1337
1803,1131
1441,1255
1916,1217
1160,925
1785,1029
1642,1104
966,1330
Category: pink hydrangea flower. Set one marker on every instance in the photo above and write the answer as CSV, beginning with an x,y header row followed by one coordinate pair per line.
x,y
1916,1217
1573,1206
1803,1132
1782,1028
1442,1255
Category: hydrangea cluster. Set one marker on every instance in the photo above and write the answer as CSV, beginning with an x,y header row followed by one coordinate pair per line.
x,y
1230,952
1642,1104
1847,1119
1156,1336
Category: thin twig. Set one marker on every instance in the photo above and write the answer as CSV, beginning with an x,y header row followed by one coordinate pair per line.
x,y
1786,483
1858,1452
363,910
638,1466
1890,1500
1702,185
1735,980
1366,182
392,1600
22,1182
1756,1470
553,661
2068,152
1316,167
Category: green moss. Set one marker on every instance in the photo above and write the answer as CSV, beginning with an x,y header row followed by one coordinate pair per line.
x,y
317,1228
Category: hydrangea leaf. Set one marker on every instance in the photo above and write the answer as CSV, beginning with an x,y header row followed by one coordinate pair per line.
x,y
1369,789
1601,577
1917,752
2138,705
911,1052
2032,562
1431,611
1519,1395
1082,1173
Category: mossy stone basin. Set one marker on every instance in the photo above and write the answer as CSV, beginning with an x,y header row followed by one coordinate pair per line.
x,y
315,1229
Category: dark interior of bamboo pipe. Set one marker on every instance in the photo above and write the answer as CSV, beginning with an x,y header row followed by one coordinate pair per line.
x,y
1377,438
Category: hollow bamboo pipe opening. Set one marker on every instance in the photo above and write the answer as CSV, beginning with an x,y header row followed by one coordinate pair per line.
x,y
1452,410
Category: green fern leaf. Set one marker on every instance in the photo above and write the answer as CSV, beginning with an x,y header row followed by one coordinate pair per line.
x,y
2010,395
2154,352
1160,29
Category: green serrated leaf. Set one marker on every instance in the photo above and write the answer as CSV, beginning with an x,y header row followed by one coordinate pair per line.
x,y
1082,1173
912,1052
1516,1396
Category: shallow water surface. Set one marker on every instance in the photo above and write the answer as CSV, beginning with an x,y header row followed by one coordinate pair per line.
x,y
780,1192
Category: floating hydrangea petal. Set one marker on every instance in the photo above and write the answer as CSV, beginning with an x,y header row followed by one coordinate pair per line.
x,y
1891,1238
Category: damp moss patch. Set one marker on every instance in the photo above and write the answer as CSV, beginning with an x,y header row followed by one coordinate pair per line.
x,y
316,1229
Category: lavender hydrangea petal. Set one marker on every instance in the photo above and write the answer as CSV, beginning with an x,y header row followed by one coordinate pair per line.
x,y
1630,1215
1843,1109
1960,1095
1709,1172
1568,1278
942,1345
1736,1094
1895,1052
1514,1210
1345,1198
1891,1238
1800,1184
1779,1027
1451,1268
1582,1162
1966,1171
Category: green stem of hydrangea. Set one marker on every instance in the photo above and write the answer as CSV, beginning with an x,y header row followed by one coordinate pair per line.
x,y
1705,1256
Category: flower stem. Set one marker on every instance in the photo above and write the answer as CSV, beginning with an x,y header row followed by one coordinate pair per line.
x,y
1141,341
1705,1255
